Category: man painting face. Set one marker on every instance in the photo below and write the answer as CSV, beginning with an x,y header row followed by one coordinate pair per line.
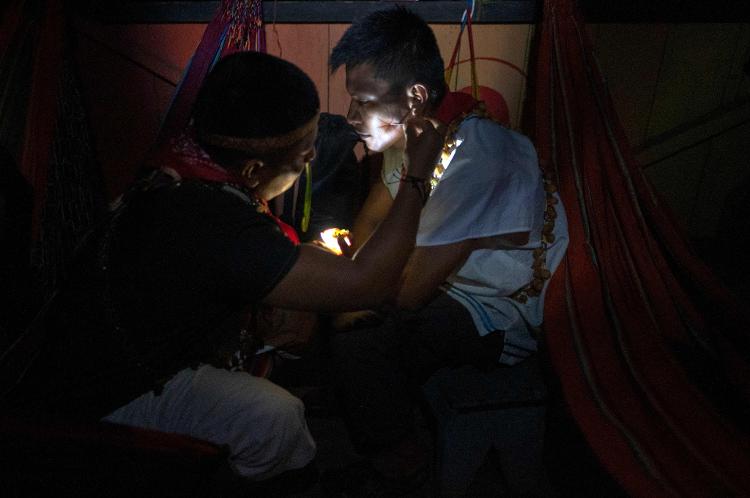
x,y
278,176
377,110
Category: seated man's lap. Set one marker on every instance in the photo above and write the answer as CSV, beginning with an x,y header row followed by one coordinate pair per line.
x,y
445,335
441,333
262,423
378,371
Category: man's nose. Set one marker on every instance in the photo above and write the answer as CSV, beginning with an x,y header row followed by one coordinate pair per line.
x,y
353,116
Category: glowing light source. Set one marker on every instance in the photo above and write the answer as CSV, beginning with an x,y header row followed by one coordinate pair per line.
x,y
331,236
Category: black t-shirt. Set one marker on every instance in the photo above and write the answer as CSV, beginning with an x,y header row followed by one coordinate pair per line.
x,y
182,263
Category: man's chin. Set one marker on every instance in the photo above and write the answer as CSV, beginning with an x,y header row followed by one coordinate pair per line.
x,y
375,145
369,142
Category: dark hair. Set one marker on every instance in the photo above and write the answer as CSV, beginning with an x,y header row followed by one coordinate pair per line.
x,y
254,95
400,46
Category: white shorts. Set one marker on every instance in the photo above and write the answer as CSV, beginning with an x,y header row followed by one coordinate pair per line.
x,y
263,425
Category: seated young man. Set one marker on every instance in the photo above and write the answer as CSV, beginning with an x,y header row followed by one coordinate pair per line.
x,y
168,279
489,236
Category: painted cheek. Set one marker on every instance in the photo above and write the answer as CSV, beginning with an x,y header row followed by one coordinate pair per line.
x,y
376,125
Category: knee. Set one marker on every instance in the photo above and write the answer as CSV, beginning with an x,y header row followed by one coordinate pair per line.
x,y
341,343
288,411
289,432
353,345
275,439
277,409
349,355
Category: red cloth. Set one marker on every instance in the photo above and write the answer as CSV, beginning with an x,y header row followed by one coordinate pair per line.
x,y
621,305
183,155
453,105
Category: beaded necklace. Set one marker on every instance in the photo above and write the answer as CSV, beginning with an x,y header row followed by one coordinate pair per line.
x,y
539,265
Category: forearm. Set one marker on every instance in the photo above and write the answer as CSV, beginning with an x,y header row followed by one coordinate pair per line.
x,y
324,282
321,281
362,229
428,268
373,212
389,246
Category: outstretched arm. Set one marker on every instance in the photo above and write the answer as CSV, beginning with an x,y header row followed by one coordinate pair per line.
x,y
373,212
318,280
427,269
430,266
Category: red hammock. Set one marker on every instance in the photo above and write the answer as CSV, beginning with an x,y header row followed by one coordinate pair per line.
x,y
620,305
237,26
628,295
40,26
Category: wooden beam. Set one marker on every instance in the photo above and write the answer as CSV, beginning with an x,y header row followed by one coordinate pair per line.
x,y
300,12
434,11
664,11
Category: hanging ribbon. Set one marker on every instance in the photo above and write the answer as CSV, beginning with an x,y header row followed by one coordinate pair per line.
x,y
307,207
237,26
466,24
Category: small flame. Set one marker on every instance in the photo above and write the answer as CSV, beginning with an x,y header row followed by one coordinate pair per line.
x,y
331,238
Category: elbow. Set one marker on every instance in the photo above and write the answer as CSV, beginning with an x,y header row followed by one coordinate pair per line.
x,y
412,294
378,292
410,301
408,305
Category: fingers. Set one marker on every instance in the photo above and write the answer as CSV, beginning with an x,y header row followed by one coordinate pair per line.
x,y
323,247
423,145
345,245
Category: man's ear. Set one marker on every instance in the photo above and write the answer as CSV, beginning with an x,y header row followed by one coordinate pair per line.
x,y
419,97
250,171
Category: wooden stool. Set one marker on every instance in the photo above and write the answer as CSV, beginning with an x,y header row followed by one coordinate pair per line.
x,y
503,409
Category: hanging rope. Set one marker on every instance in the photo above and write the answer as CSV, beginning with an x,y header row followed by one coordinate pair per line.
x,y
466,25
